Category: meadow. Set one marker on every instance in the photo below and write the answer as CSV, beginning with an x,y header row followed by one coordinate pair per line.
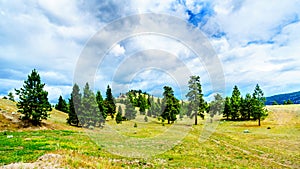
x,y
275,144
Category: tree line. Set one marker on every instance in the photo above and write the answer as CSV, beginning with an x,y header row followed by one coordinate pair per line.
x,y
89,109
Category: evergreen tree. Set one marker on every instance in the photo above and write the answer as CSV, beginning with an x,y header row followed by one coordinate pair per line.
x,y
197,104
110,103
33,101
247,107
235,103
102,108
289,101
216,106
119,115
11,96
62,105
227,108
90,111
274,103
74,104
259,100
171,105
130,112
142,104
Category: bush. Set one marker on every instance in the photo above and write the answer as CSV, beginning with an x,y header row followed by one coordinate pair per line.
x,y
135,125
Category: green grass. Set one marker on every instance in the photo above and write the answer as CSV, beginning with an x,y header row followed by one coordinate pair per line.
x,y
227,147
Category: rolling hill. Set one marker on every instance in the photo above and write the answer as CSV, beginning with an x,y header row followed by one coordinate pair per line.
x,y
294,97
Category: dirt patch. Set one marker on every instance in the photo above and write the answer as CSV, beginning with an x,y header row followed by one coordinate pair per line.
x,y
46,161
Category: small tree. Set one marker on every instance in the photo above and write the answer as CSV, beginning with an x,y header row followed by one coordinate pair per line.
x,y
62,105
11,96
33,101
119,115
197,104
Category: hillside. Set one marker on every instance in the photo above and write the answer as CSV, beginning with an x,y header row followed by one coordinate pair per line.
x,y
294,97
9,118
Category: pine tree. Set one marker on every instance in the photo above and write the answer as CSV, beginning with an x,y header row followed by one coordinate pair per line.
x,y
235,103
130,112
119,115
62,105
197,104
171,105
33,101
90,111
142,104
227,108
74,104
11,96
259,100
102,108
216,106
110,103
246,107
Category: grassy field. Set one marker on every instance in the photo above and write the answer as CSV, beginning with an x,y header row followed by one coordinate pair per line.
x,y
151,145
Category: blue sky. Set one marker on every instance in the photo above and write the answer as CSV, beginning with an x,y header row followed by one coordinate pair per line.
x,y
255,41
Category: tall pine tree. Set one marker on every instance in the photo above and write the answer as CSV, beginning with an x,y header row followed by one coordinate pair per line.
x,y
33,101
90,111
235,103
110,103
74,104
102,108
197,104
171,105
259,100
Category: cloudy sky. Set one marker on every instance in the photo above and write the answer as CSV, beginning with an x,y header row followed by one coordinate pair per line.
x,y
254,41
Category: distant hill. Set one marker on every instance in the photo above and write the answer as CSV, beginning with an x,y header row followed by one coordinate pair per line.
x,y
295,97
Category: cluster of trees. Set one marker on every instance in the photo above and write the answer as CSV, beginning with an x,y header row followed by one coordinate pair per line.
x,y
249,107
89,109
289,101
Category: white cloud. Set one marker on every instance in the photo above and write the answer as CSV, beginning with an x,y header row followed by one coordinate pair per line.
x,y
49,36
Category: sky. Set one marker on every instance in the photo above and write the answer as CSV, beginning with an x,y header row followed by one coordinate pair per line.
x,y
253,42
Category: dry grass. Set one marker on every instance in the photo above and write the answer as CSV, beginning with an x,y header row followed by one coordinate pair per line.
x,y
227,146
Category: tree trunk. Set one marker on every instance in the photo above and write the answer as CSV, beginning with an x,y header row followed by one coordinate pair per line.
x,y
258,121
168,121
196,122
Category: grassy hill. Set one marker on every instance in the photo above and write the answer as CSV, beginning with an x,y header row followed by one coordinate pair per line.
x,y
57,144
294,97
